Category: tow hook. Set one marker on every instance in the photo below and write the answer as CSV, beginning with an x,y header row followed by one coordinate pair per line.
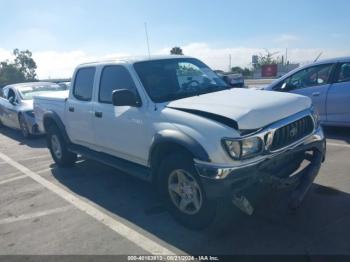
x,y
243,204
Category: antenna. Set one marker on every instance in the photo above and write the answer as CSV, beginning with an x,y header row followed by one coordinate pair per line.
x,y
147,41
319,55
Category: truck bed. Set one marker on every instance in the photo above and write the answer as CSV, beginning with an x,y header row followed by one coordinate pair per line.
x,y
54,101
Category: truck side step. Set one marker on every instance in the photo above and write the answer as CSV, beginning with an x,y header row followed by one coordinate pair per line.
x,y
128,167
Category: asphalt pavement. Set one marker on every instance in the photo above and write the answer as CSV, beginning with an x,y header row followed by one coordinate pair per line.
x,y
95,209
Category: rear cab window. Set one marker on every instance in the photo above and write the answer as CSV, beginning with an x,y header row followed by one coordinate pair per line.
x,y
84,83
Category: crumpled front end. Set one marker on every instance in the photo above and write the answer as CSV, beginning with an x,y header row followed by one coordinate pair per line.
x,y
279,169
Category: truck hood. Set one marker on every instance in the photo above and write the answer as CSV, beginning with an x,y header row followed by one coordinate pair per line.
x,y
249,109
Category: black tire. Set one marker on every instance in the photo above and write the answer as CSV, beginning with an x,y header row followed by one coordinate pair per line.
x,y
24,127
54,139
207,211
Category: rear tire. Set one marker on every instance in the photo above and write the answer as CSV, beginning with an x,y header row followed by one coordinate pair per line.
x,y
179,182
58,148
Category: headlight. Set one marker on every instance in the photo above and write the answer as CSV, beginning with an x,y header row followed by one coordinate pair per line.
x,y
316,117
30,113
244,148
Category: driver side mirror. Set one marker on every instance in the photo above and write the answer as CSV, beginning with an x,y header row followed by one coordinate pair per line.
x,y
124,97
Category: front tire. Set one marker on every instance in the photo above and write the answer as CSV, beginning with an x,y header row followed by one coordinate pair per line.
x,y
183,192
58,148
24,127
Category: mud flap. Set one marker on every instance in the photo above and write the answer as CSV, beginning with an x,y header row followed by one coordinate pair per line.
x,y
242,203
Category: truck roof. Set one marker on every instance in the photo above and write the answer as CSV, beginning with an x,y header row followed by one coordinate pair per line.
x,y
132,60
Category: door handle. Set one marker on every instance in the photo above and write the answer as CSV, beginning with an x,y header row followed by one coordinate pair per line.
x,y
316,93
71,109
98,114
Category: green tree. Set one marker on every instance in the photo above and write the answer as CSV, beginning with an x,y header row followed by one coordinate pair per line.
x,y
176,51
239,70
268,58
9,74
25,63
22,69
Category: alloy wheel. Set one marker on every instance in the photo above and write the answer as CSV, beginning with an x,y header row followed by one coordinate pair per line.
x,y
24,127
185,192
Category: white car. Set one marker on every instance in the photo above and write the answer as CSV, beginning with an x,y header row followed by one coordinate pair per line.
x,y
172,121
16,105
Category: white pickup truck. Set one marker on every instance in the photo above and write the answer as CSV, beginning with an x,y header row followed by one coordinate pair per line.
x,y
173,121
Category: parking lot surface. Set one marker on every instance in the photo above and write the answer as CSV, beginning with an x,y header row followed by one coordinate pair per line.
x,y
94,209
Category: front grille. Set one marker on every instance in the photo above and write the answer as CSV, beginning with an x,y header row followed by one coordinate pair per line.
x,y
292,132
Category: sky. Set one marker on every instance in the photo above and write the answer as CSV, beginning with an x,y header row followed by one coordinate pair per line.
x,y
62,34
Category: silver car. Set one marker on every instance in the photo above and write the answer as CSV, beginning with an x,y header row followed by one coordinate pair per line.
x,y
16,105
327,83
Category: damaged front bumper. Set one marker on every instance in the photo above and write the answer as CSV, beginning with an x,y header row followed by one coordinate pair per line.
x,y
276,170
33,127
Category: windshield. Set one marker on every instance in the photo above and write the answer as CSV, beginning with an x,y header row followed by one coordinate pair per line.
x,y
28,92
171,79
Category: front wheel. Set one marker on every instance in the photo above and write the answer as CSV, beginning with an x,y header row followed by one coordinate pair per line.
x,y
58,148
182,189
24,127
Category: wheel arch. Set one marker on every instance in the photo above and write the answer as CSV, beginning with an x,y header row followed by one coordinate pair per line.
x,y
52,118
169,141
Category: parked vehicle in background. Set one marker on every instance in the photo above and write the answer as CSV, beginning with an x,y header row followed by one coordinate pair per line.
x,y
327,83
235,80
16,105
172,121
65,85
232,79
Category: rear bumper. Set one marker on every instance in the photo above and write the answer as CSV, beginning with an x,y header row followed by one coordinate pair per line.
x,y
274,170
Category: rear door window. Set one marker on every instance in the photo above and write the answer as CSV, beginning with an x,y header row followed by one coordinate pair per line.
x,y
83,84
114,78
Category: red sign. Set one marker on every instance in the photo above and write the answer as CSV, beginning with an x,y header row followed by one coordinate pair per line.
x,y
269,70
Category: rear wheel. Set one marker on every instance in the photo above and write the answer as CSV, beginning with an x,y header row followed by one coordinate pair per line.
x,y
24,127
58,148
184,195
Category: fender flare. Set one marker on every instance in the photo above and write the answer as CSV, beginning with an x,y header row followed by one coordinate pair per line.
x,y
180,139
51,116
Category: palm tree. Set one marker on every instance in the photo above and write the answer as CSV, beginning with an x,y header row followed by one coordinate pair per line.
x,y
176,51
